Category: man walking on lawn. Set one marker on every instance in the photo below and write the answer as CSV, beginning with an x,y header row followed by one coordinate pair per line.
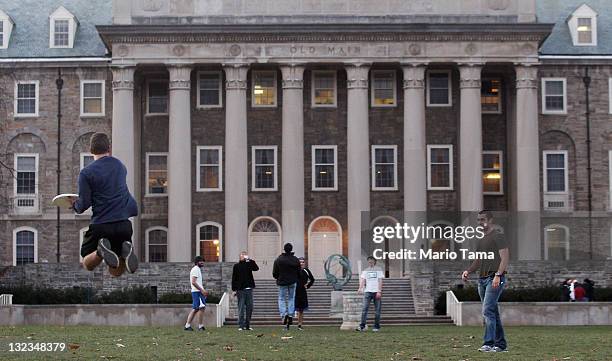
x,y
492,273
286,271
198,295
370,284
242,285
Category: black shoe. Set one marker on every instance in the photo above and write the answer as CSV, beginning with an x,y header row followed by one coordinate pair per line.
x,y
188,328
289,320
107,254
127,252
202,328
285,319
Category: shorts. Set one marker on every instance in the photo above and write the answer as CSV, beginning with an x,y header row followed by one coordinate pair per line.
x,y
115,232
199,300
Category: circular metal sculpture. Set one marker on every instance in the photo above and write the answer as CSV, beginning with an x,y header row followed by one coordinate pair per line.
x,y
337,271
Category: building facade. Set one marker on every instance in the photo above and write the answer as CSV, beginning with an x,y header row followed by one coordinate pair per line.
x,y
244,125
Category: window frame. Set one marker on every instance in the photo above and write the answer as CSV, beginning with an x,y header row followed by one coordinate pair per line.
x,y
500,153
148,194
610,95
254,149
37,172
53,33
198,240
148,84
219,149
545,170
373,74
273,72
545,110
220,99
313,167
450,165
2,32
312,89
567,240
102,98
501,92
16,114
147,241
20,229
395,186
448,72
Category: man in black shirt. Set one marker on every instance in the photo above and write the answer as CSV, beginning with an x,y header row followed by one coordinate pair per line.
x,y
286,271
242,285
491,282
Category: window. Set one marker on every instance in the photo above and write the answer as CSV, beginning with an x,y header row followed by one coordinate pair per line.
x,y
585,31
439,88
26,99
384,167
156,239
2,34
490,96
383,88
209,241
210,89
92,97
492,172
324,88
6,27
62,28
26,166
324,168
61,33
157,174
210,169
25,246
86,159
440,167
264,168
583,26
554,100
264,88
556,242
157,99
555,171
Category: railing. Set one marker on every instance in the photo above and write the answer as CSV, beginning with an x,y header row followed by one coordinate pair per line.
x,y
223,309
6,300
453,308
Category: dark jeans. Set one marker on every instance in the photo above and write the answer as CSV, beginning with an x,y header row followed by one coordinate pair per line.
x,y
494,331
367,297
245,307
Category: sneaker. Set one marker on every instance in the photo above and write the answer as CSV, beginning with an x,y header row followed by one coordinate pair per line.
x,y
499,349
375,329
127,252
300,328
240,329
360,329
107,254
188,328
486,348
202,328
249,328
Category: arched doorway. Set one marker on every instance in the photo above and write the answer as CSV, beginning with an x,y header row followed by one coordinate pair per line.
x,y
391,268
264,245
324,239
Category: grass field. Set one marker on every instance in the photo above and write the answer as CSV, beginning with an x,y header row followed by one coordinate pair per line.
x,y
314,343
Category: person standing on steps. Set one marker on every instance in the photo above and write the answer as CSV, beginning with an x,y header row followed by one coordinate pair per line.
x,y
286,271
242,285
305,281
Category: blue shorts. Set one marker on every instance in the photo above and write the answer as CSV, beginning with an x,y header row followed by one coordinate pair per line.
x,y
199,300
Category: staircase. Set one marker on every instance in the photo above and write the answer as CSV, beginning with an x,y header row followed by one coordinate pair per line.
x,y
397,306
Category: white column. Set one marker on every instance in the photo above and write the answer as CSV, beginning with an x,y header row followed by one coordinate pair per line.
x,y
293,157
415,147
236,175
358,159
527,163
179,165
470,139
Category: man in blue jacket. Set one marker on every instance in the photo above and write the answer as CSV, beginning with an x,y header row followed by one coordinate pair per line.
x,y
102,186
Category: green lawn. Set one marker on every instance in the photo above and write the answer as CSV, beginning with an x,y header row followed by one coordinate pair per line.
x,y
314,343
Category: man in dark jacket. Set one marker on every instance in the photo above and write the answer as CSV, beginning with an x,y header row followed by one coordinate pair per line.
x,y
286,271
242,285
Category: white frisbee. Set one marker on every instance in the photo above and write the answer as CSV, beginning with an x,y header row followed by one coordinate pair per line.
x,y
63,200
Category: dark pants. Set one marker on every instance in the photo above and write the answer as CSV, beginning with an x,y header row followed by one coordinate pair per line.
x,y
245,307
116,232
367,297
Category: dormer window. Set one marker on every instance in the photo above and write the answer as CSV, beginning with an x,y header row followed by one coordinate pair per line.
x,y
6,26
62,28
583,26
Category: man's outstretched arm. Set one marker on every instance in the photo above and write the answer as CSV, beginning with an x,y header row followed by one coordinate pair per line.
x,y
84,202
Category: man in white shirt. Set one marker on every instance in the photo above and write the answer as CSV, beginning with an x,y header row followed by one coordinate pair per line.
x,y
370,284
198,295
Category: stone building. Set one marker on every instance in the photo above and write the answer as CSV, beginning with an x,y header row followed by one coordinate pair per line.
x,y
247,124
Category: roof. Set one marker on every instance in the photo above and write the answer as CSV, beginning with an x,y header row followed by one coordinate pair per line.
x,y
30,35
560,40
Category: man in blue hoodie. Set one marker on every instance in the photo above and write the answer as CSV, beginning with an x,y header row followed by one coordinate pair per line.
x,y
102,186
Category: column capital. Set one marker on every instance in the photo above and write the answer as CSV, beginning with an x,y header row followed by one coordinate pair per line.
x,y
123,77
180,76
414,76
357,75
469,75
526,76
236,76
293,76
